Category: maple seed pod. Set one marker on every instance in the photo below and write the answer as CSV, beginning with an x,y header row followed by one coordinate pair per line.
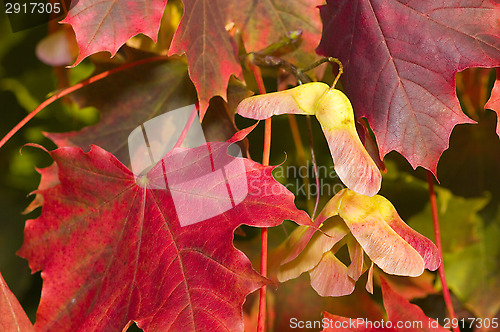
x,y
332,108
351,161
302,99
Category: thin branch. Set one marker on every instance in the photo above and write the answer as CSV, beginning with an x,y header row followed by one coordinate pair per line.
x,y
261,323
437,238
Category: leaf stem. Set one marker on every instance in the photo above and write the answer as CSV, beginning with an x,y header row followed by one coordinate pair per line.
x,y
267,142
341,70
437,238
189,122
73,88
323,60
261,322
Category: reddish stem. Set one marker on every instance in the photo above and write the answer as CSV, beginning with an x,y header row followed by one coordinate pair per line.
x,y
73,89
267,142
261,322
437,238
184,132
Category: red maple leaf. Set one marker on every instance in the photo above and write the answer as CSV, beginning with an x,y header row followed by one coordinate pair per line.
x,y
12,315
105,25
400,60
115,248
211,51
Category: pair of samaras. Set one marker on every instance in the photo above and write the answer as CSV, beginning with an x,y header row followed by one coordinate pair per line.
x,y
334,112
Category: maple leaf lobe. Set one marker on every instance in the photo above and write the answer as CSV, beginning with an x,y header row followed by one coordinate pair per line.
x,y
107,25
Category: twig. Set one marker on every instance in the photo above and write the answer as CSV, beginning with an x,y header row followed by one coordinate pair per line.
x,y
261,322
437,238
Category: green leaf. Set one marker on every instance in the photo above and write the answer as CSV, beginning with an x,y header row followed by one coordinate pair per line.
x,y
458,220
472,273
471,249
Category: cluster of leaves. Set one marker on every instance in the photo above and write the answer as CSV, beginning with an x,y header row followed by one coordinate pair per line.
x,y
112,251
